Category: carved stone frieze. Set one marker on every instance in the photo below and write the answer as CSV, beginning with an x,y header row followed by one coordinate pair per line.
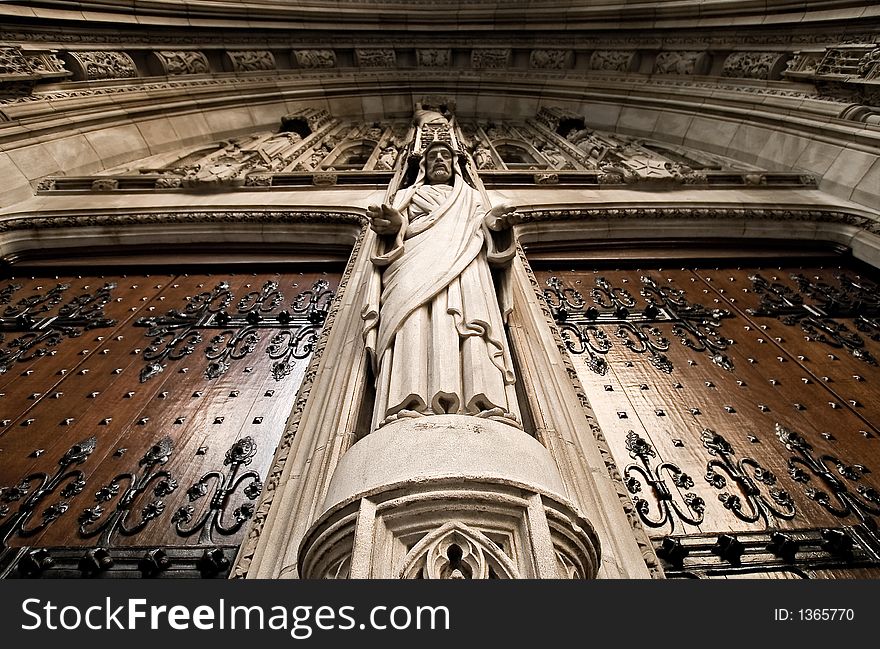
x,y
612,60
312,59
94,66
434,58
251,60
551,59
232,84
482,58
376,58
182,62
755,65
684,63
717,39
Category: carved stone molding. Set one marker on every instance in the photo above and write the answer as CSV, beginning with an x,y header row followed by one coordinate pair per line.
x,y
755,65
489,59
551,59
640,535
720,213
250,60
434,58
282,453
313,59
376,58
173,63
684,63
613,60
728,38
230,85
95,66
167,218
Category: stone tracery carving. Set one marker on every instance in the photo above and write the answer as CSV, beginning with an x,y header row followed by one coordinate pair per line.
x,y
456,551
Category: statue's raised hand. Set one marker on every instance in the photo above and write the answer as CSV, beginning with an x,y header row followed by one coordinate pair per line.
x,y
500,217
384,219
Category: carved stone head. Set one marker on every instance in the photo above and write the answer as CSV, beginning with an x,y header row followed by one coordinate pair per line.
x,y
439,163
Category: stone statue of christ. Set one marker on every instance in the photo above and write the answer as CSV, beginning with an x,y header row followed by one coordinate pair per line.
x,y
434,324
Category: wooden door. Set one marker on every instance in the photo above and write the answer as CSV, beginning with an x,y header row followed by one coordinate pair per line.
x,y
740,403
139,414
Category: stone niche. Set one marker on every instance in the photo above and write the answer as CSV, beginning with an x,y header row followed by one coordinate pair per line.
x,y
448,497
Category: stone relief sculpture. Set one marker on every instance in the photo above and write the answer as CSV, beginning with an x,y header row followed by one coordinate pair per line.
x,y
678,62
251,60
490,59
376,58
483,158
94,66
387,159
185,62
612,60
550,59
315,58
434,323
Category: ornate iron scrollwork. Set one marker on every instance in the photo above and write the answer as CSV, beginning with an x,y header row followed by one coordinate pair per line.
x,y
816,306
696,326
68,482
162,484
239,455
692,510
864,503
38,333
176,334
751,478
309,312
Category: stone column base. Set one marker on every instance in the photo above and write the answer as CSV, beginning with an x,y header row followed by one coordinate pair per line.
x,y
448,496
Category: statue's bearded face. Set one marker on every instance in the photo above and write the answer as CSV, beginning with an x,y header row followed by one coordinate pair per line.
x,y
438,165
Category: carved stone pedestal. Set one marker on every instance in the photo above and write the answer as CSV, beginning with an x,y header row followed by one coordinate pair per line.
x,y
448,496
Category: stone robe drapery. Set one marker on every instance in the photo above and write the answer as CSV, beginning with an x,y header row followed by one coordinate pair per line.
x,y
435,327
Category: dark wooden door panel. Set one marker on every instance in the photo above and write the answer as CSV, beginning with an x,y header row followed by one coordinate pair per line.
x,y
730,422
176,402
